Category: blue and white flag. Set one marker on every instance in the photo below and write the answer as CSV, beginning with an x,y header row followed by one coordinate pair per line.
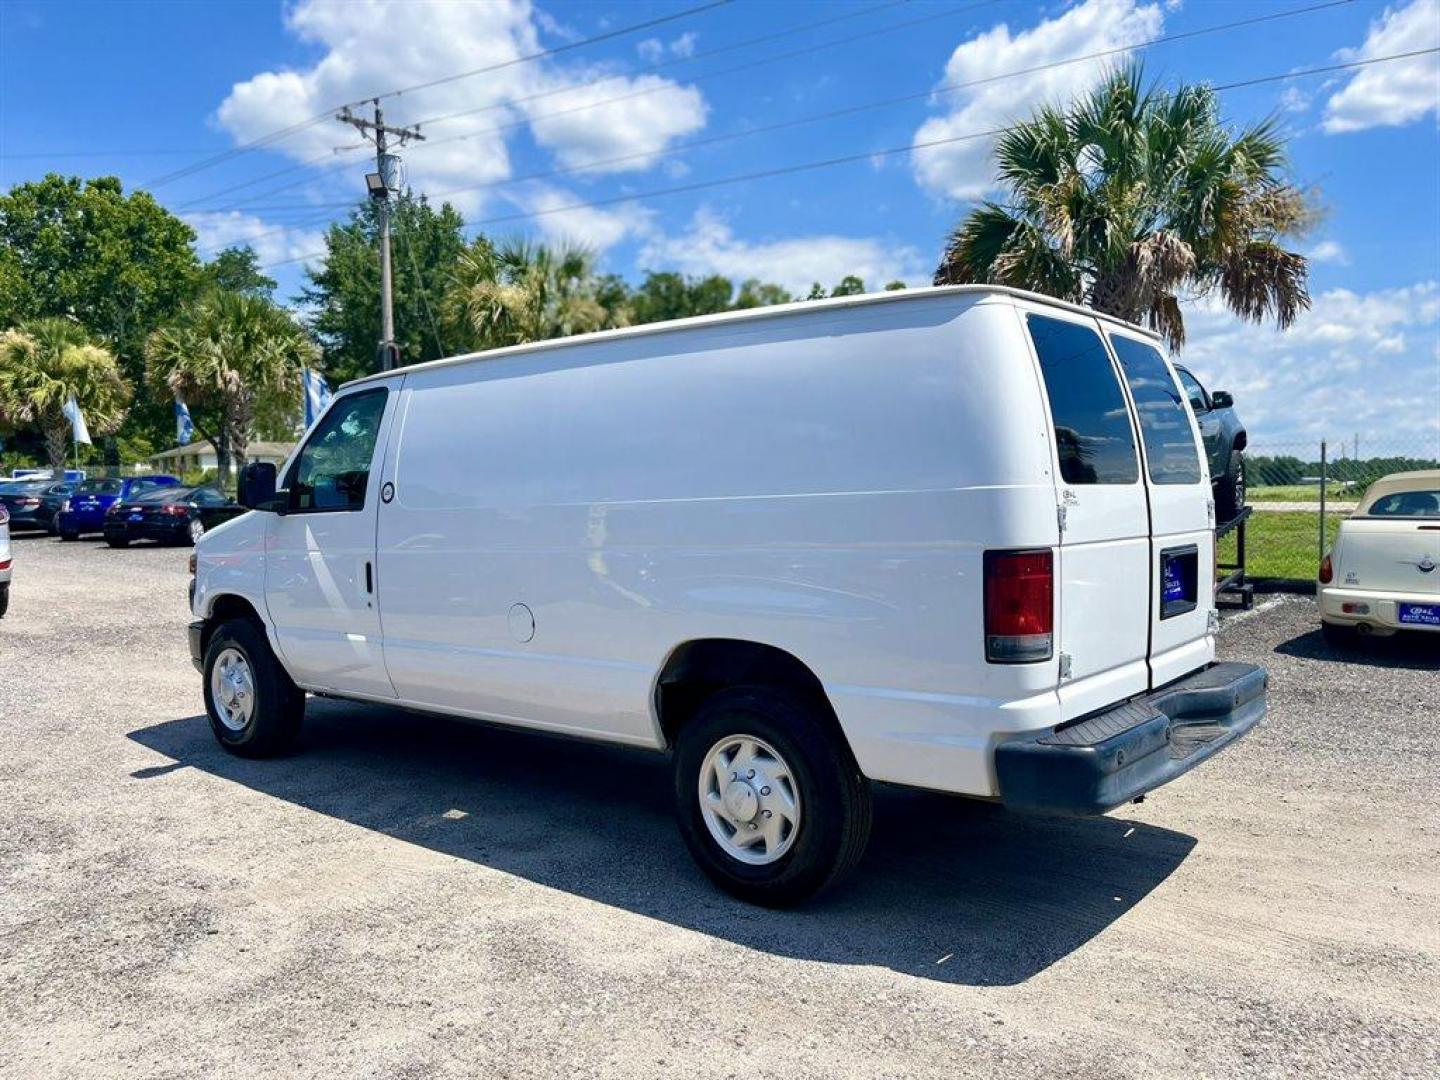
x,y
184,427
78,431
317,394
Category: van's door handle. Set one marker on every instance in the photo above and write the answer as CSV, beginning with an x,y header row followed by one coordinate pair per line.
x,y
369,578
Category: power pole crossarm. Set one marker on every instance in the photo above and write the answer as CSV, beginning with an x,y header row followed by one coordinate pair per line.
x,y
385,181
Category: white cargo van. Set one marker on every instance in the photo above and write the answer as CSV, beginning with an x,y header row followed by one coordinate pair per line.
x,y
955,538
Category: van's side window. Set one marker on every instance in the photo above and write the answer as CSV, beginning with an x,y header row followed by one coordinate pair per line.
x,y
333,469
1170,454
1094,437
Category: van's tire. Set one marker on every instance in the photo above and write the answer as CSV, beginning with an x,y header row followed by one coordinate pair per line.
x,y
259,709
1230,489
811,763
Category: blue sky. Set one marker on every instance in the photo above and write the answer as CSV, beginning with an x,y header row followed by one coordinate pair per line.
x,y
95,88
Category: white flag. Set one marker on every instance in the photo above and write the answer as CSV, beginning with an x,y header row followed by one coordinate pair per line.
x,y
78,431
317,394
184,426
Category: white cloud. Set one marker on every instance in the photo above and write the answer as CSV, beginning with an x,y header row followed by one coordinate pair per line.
x,y
653,50
639,128
963,170
1365,362
1398,92
215,231
371,46
593,227
1329,251
710,246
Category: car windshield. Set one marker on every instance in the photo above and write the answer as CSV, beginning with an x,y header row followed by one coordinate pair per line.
x,y
1407,504
99,487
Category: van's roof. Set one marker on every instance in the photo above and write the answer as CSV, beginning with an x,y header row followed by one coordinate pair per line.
x,y
898,296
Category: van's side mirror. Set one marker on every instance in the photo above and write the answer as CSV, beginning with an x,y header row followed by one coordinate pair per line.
x,y
1221,399
256,490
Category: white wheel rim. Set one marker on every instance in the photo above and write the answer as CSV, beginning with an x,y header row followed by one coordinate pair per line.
x,y
197,529
232,689
749,799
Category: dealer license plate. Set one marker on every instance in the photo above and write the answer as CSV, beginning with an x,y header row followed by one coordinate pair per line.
x,y
1420,614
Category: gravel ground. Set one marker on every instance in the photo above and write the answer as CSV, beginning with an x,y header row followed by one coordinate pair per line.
x,y
407,897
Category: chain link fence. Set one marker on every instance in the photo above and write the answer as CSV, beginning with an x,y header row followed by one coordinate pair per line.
x,y
1299,492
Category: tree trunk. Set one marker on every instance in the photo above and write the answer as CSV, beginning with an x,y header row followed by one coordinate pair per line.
x,y
57,448
222,456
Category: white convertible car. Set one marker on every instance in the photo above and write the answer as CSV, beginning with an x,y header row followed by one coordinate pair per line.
x,y
1383,573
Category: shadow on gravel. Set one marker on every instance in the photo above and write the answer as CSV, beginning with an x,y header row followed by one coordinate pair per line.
x,y
1417,651
950,889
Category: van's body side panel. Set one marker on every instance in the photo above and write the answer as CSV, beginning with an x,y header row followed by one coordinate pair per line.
x,y
824,483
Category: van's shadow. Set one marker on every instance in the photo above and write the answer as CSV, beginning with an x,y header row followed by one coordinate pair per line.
x,y
950,889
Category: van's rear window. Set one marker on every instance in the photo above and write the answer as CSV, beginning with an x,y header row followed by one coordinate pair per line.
x,y
1093,434
1170,454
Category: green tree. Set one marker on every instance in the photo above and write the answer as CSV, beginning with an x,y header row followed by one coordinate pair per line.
x,y
1133,196
237,269
345,291
45,363
235,359
520,292
757,293
850,285
118,264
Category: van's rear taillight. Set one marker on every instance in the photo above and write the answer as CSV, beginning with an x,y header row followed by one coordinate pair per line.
x,y
1019,606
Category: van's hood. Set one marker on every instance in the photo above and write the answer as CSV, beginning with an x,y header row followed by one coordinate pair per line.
x,y
238,534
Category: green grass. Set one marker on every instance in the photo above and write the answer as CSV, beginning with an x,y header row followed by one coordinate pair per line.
x,y
1301,493
1282,545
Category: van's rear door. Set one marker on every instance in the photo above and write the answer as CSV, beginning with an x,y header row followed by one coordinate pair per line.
x,y
1182,537
1102,573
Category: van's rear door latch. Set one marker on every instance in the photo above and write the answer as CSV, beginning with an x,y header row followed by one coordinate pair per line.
x,y
1060,517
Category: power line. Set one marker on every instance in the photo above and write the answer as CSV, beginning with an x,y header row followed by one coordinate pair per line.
x,y
285,132
703,77
808,166
850,110
325,208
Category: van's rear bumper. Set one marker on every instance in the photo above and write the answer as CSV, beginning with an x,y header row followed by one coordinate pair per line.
x,y
1094,764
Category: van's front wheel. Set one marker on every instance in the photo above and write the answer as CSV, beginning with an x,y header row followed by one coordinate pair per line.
x,y
770,802
254,708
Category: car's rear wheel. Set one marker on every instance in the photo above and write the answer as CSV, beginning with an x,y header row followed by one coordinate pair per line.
x,y
1230,491
255,709
117,541
4,599
769,799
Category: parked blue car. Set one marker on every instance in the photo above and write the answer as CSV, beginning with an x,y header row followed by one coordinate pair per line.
x,y
84,510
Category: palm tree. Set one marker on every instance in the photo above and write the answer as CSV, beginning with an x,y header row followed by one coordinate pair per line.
x,y
43,364
523,292
236,357
1134,197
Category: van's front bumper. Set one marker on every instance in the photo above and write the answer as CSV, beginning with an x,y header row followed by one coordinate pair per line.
x,y
197,649
1097,763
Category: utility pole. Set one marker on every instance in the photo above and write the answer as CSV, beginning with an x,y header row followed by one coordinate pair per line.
x,y
381,183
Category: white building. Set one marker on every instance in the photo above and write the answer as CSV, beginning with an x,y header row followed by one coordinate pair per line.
x,y
201,455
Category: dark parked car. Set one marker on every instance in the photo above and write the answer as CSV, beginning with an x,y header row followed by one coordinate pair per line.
x,y
1224,437
175,515
33,504
85,510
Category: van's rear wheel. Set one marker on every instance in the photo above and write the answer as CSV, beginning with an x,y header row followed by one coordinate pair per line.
x,y
769,800
254,708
